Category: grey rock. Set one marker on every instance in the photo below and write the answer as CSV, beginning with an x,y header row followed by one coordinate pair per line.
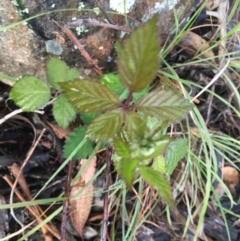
x,y
22,52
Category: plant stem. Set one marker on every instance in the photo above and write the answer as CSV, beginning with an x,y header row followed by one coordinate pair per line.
x,y
128,100
66,202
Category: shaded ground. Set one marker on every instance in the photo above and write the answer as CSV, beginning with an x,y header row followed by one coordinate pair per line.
x,y
19,133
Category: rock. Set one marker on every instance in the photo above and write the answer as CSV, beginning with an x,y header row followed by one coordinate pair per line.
x,y
22,52
97,41
144,10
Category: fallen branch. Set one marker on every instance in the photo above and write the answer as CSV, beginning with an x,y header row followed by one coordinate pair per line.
x,y
94,22
80,47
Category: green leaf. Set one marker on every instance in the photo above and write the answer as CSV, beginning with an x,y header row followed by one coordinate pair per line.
x,y
158,181
134,125
166,105
138,59
152,122
147,148
159,164
30,93
76,136
128,170
121,148
87,118
106,125
58,71
112,81
138,95
90,96
117,47
176,150
72,74
63,112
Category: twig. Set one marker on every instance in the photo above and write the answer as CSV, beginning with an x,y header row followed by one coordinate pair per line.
x,y
210,100
229,113
37,212
66,202
10,115
18,111
19,195
94,22
222,18
80,47
215,78
109,19
105,187
14,113
17,177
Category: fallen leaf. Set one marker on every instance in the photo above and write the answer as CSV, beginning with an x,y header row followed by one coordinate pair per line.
x,y
199,44
81,205
59,131
231,177
212,4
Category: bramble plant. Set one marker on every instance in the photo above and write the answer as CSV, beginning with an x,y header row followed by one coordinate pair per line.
x,y
120,109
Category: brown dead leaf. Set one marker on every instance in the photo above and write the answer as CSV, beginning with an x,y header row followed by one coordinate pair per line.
x,y
80,206
231,178
199,44
230,175
212,4
36,211
59,131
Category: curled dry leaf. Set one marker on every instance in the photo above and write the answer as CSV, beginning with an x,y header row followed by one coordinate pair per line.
x,y
199,44
231,177
212,4
59,131
80,206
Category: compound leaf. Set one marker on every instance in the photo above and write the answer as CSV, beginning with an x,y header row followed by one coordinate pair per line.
x,y
89,96
158,181
166,105
30,93
176,150
63,112
138,59
105,126
76,136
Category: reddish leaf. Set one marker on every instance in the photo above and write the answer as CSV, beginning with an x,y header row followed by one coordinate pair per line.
x,y
105,126
89,96
138,60
166,105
